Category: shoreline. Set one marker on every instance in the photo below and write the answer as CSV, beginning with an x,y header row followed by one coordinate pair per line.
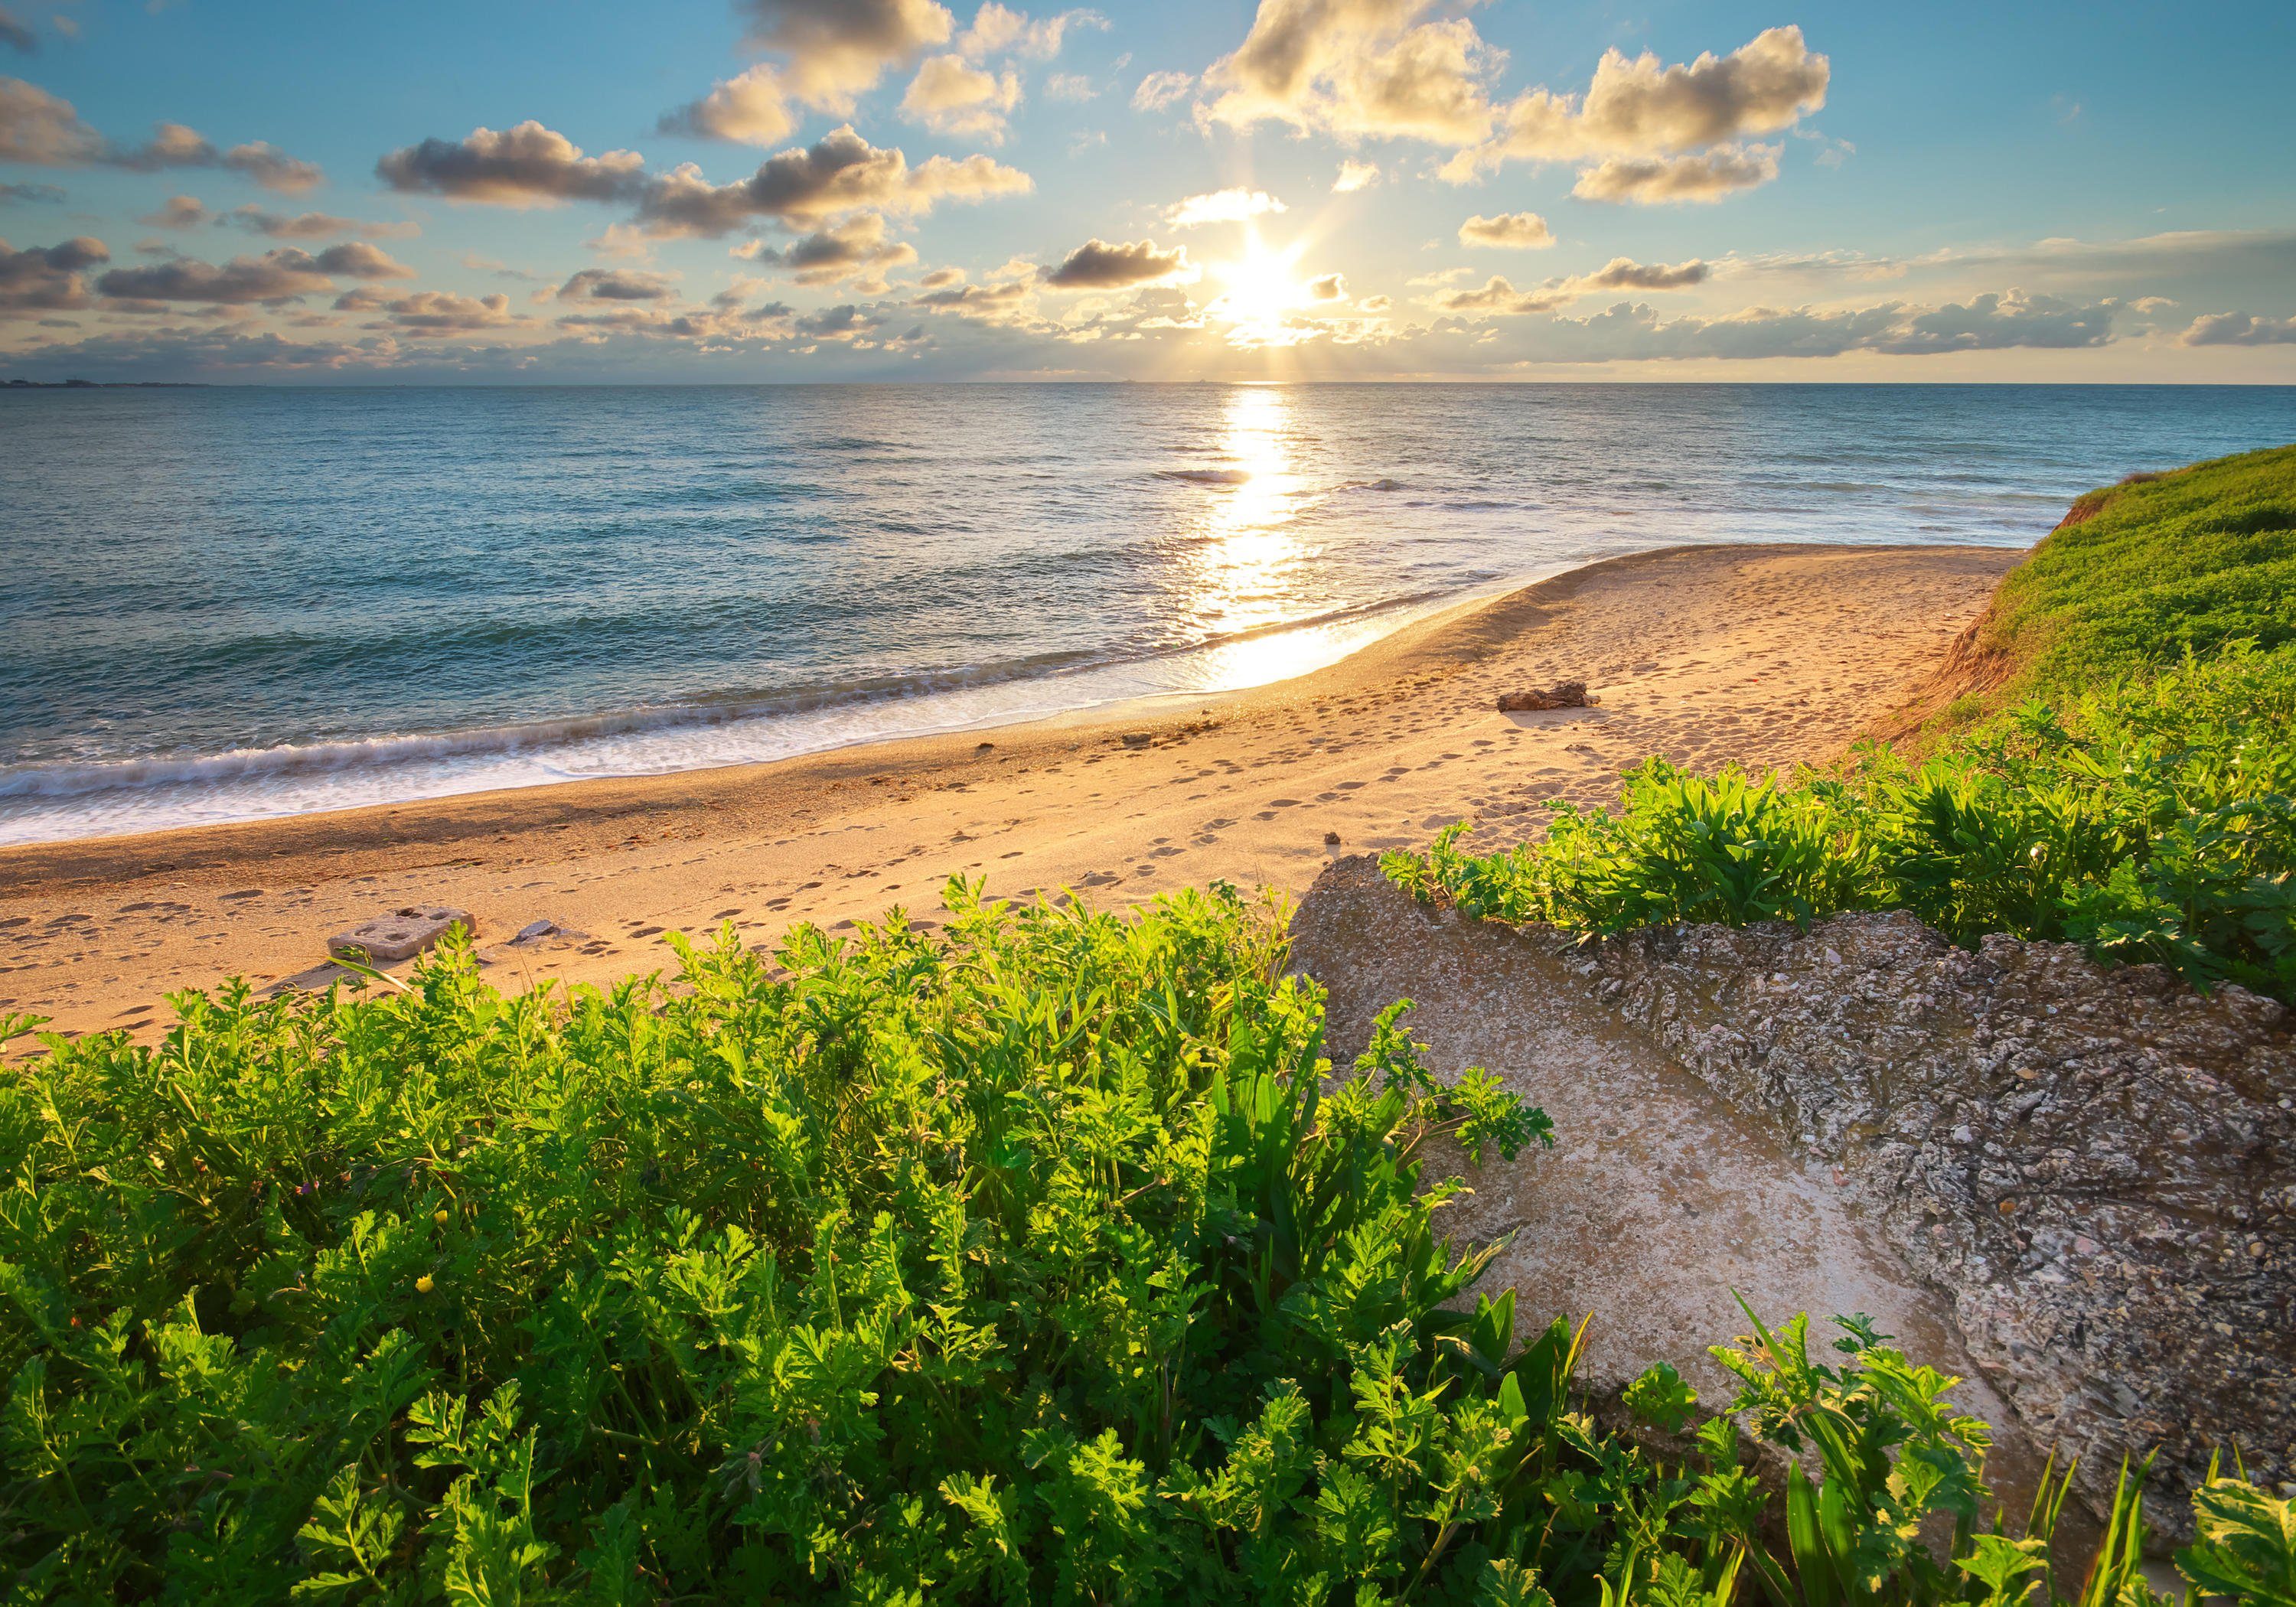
x,y
1767,655
930,702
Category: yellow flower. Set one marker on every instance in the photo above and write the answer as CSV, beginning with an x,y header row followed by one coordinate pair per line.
x,y
423,1285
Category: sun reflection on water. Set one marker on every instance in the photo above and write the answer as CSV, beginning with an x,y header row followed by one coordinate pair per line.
x,y
1252,572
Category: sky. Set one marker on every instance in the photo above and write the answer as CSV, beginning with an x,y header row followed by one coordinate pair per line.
x,y
740,191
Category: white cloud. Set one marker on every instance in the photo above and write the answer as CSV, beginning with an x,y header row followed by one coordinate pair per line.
x,y
1382,68
1639,107
839,173
2238,329
1707,176
1222,206
751,107
1355,176
525,165
834,50
1511,231
950,97
1159,90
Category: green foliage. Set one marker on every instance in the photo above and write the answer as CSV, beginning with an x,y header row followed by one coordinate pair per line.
x,y
2154,570
1042,1260
2153,820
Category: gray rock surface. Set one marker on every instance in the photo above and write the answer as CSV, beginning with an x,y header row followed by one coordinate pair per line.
x,y
2090,1171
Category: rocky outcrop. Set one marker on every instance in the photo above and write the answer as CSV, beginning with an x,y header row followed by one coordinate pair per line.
x,y
2096,1167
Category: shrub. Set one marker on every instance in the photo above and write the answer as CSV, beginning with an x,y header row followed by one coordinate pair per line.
x,y
1042,1261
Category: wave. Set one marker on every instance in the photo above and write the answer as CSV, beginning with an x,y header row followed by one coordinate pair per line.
x,y
1207,477
378,755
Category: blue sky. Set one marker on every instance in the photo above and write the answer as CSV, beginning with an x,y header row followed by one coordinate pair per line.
x,y
904,189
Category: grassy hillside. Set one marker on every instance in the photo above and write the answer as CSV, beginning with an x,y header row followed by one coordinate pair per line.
x,y
1032,1263
2143,572
2121,773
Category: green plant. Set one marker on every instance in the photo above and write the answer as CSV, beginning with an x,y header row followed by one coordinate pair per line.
x,y
1041,1260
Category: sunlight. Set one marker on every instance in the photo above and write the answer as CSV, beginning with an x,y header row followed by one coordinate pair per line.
x,y
1261,290
1249,576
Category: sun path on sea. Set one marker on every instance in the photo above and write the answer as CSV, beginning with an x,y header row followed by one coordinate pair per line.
x,y
1768,657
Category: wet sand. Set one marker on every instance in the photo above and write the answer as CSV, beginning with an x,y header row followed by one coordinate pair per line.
x,y
1769,656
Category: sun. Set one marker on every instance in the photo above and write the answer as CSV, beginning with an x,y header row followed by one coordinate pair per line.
x,y
1260,292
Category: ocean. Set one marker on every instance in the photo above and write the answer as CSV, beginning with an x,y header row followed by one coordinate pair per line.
x,y
228,603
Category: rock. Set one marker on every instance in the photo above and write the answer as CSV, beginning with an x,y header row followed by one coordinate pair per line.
x,y
1563,694
534,931
2095,1166
1659,1203
1137,739
400,935
1331,839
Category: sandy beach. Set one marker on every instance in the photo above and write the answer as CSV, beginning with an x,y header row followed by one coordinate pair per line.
x,y
1769,656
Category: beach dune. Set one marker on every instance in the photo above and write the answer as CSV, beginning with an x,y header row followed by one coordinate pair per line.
x,y
1765,655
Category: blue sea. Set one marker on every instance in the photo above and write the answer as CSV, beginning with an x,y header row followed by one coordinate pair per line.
x,y
228,603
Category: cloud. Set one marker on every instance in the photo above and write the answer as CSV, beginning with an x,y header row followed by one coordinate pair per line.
x,y
174,145
1222,206
280,275
752,108
1000,30
1652,181
274,168
526,166
839,173
42,130
1625,274
1497,295
941,278
178,212
1159,90
13,32
1355,176
1510,230
48,278
1354,68
842,323
1003,303
2239,328
357,259
314,226
856,248
834,50
1993,321
1070,86
949,96
615,284
1331,287
1639,107
1099,264
442,313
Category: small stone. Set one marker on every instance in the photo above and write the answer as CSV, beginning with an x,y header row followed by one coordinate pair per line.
x,y
1332,837
400,935
1563,694
1137,739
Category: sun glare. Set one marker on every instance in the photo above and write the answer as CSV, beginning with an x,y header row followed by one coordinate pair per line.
x,y
1260,290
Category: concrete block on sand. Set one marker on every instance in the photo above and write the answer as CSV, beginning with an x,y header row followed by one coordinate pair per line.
x,y
400,935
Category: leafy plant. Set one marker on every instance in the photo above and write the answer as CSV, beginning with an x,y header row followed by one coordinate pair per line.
x,y
1045,1259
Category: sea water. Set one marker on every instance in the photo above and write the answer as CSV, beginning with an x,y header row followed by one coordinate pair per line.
x,y
233,602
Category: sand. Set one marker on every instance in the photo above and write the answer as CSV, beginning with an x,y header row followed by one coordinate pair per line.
x,y
1769,656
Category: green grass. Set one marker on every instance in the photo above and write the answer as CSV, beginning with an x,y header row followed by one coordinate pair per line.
x,y
2151,569
1039,1261
2139,799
